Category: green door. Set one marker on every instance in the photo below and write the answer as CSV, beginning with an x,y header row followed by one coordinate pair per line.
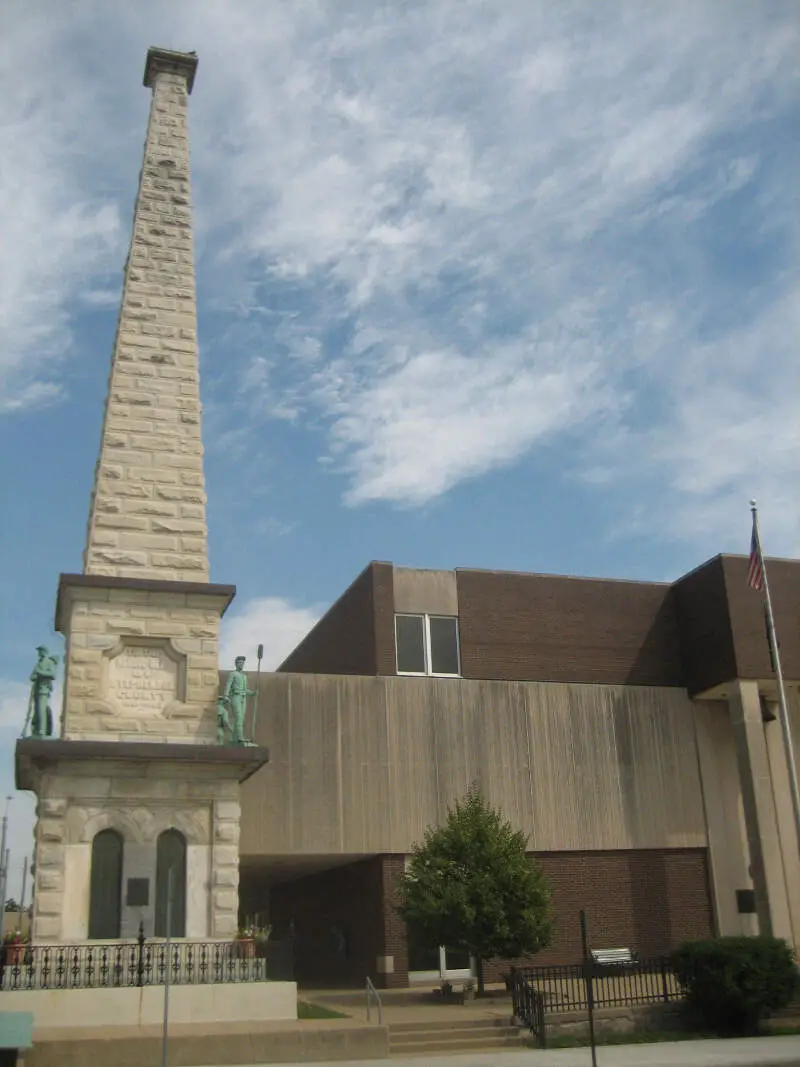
x,y
105,893
171,858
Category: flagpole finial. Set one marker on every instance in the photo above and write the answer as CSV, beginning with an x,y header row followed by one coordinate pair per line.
x,y
753,505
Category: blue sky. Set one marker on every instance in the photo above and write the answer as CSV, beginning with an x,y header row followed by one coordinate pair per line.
x,y
508,286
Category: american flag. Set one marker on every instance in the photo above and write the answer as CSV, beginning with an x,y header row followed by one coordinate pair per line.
x,y
755,571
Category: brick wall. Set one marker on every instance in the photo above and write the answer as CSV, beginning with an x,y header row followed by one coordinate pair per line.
x,y
351,637
723,632
648,900
707,647
395,941
747,617
520,627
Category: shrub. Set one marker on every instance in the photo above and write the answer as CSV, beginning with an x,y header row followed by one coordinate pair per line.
x,y
733,983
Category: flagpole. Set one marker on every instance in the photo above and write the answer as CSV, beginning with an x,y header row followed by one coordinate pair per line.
x,y
776,657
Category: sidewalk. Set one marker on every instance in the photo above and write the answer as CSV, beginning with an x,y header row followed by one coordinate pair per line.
x,y
745,1052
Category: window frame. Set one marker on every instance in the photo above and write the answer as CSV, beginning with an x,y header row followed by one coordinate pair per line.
x,y
426,645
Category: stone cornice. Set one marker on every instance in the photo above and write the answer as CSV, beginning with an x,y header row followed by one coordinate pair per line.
x,y
33,756
165,60
69,582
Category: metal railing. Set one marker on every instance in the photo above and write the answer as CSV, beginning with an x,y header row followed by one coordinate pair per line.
x,y
371,992
141,963
528,1005
563,988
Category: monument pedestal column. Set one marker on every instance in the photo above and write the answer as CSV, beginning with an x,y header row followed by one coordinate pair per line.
x,y
140,791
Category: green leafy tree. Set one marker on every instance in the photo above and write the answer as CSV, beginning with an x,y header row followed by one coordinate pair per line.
x,y
471,886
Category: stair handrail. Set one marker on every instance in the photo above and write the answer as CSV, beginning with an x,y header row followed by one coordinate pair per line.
x,y
373,992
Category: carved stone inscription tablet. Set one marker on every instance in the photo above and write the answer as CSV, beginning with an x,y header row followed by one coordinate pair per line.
x,y
143,679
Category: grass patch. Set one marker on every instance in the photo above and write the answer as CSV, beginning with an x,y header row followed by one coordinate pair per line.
x,y
306,1010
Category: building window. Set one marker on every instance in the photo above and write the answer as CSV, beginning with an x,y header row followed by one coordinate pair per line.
x,y
105,888
171,859
427,644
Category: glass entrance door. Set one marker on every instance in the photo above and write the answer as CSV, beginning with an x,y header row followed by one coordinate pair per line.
x,y
427,965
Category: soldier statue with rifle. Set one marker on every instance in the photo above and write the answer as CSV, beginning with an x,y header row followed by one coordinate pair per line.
x,y
40,714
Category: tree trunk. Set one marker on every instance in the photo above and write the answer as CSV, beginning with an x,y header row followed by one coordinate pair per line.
x,y
479,969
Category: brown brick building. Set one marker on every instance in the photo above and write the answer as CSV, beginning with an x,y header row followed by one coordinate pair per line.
x,y
626,727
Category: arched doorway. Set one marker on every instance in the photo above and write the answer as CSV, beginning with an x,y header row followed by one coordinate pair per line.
x,y
171,857
105,892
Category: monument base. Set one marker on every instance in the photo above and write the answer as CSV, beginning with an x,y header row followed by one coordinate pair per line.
x,y
223,1002
140,795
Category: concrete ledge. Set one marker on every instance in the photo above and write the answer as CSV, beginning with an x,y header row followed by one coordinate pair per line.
x,y
34,755
224,1003
242,1043
645,1017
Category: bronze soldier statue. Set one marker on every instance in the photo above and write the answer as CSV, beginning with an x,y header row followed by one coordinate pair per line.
x,y
43,676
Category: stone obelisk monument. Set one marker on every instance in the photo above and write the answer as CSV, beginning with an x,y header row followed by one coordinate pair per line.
x,y
137,785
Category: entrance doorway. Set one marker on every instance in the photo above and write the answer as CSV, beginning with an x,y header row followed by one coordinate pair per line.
x,y
426,965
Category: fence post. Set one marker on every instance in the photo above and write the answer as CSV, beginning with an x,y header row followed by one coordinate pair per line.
x,y
140,962
664,985
542,1023
588,979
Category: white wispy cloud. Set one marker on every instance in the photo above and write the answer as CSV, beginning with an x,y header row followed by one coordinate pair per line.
x,y
456,231
60,232
269,621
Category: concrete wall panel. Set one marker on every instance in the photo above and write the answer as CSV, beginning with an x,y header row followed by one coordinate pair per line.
x,y
362,765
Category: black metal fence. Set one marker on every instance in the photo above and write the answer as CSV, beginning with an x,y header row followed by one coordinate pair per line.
x,y
144,963
528,1006
537,991
563,988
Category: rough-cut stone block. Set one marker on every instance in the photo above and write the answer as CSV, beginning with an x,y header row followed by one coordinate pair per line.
x,y
179,561
120,558
226,899
48,903
226,856
47,929
50,879
49,854
119,522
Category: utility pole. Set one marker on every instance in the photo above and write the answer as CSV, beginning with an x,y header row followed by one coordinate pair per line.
x,y
24,885
4,859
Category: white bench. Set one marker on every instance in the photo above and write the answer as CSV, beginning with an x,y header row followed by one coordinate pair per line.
x,y
612,958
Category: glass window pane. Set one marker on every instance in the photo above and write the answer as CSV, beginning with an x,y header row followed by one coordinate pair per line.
x,y
422,958
444,645
410,643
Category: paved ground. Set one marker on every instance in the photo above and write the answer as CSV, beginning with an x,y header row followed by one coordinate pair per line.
x,y
749,1052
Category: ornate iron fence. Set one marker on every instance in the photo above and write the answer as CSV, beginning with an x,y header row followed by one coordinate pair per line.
x,y
144,963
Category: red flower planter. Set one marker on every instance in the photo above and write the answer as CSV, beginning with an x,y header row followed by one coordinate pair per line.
x,y
246,948
15,955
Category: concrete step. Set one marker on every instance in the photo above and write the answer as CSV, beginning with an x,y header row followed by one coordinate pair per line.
x,y
468,1035
463,1044
451,1024
451,1033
